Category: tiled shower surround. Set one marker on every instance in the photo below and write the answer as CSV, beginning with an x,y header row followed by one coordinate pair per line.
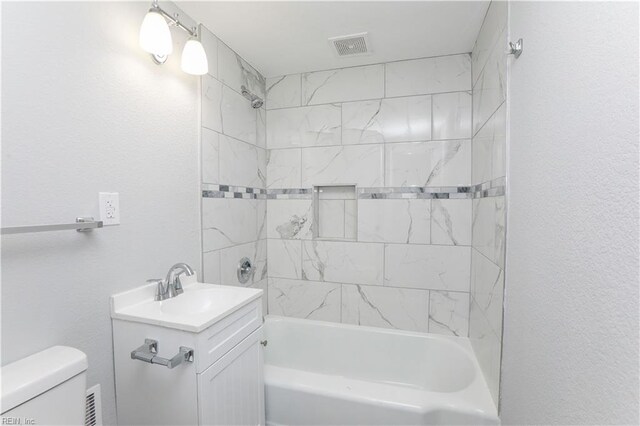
x,y
489,164
401,134
233,167
408,229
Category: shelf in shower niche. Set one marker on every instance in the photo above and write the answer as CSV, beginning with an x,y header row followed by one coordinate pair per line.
x,y
335,211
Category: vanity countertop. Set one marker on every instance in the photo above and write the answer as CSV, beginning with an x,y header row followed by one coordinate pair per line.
x,y
200,306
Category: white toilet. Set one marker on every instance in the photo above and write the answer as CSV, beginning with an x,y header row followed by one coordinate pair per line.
x,y
46,388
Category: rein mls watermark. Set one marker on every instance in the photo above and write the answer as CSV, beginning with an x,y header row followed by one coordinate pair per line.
x,y
18,421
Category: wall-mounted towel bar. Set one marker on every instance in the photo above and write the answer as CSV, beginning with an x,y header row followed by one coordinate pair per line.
x,y
82,224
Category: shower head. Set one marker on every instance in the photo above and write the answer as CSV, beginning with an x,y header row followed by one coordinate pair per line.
x,y
256,102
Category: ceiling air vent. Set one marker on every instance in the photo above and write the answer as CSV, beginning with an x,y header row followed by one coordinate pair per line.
x,y
351,45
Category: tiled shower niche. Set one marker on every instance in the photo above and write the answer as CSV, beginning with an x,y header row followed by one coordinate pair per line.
x,y
335,211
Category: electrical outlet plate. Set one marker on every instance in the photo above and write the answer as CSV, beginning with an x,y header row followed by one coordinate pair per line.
x,y
110,208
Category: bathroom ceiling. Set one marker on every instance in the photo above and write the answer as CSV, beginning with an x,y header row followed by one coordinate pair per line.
x,y
289,37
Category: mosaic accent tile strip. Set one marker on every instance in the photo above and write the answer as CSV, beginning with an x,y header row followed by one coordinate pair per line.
x,y
230,191
460,192
494,188
290,194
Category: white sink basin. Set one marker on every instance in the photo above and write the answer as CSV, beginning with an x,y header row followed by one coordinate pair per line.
x,y
200,306
191,303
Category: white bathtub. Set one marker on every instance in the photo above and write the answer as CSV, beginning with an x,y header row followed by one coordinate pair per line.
x,y
319,373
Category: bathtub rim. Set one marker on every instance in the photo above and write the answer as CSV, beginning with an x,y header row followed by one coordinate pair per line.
x,y
477,392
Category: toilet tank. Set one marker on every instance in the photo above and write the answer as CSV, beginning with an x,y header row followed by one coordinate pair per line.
x,y
46,388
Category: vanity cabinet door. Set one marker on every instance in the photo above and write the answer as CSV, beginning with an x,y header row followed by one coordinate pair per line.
x,y
231,391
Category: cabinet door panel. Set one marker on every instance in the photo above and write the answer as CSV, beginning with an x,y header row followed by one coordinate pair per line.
x,y
218,339
231,391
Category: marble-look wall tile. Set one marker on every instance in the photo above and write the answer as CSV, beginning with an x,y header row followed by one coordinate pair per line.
x,y
489,228
449,313
362,165
211,267
487,347
435,163
261,127
343,85
344,262
210,156
306,126
397,308
394,221
489,128
283,168
489,149
261,209
264,286
429,75
304,299
493,33
256,251
235,72
451,222
241,164
284,91
452,116
211,110
259,259
387,120
289,219
427,267
284,258
239,119
490,89
487,288
227,112
227,222
210,45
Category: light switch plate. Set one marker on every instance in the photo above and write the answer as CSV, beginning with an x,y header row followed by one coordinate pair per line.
x,y
110,208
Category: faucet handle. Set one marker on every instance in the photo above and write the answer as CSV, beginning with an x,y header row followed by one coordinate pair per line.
x,y
160,292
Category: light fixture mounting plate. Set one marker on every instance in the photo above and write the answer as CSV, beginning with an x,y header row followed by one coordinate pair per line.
x,y
159,59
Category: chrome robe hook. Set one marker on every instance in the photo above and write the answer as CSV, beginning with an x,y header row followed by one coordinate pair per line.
x,y
515,49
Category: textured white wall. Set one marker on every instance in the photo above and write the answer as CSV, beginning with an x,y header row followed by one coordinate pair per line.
x,y
85,110
571,322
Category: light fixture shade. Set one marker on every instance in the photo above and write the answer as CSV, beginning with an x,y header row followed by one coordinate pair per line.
x,y
194,59
155,36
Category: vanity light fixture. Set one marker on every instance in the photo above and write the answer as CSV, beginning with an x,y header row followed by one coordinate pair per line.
x,y
194,59
155,38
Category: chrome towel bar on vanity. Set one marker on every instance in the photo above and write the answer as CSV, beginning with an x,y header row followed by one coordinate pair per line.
x,y
149,353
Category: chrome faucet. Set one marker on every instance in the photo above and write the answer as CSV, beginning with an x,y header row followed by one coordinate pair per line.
x,y
171,286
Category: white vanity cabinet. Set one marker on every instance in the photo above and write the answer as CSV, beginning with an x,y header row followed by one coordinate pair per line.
x,y
231,391
222,385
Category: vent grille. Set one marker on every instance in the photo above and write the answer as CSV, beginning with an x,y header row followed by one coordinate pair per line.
x,y
93,407
351,45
